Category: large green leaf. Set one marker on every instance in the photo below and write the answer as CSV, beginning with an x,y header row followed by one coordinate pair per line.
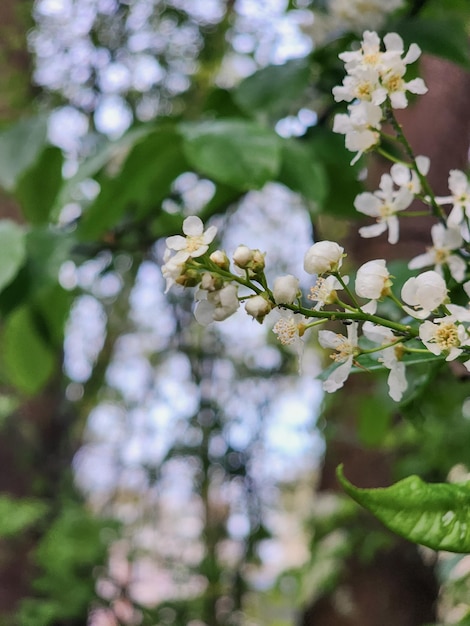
x,y
446,37
143,182
302,172
12,251
20,147
38,187
28,361
436,515
239,153
272,90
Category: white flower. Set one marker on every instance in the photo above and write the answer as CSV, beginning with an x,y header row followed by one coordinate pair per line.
x,y
424,293
258,307
444,336
216,305
323,257
460,198
173,267
360,127
395,68
397,383
372,282
363,84
285,289
368,55
290,329
196,242
383,204
403,176
324,291
444,240
346,348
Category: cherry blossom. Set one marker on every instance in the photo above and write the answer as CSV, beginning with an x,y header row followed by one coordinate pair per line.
x,y
323,257
445,241
459,187
372,281
196,243
346,349
384,205
390,357
424,293
286,289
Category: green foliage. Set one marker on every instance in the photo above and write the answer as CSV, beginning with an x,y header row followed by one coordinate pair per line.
x,y
28,362
434,515
304,173
67,555
12,251
20,147
235,152
38,187
141,184
272,91
17,515
432,36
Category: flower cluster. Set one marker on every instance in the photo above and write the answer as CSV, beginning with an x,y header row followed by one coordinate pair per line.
x,y
375,80
428,317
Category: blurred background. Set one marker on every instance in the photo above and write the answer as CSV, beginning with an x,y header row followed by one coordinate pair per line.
x,y
153,471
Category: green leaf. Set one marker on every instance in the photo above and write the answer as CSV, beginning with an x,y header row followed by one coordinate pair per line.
x,y
28,361
239,153
17,515
302,172
20,147
272,90
436,515
12,251
328,149
143,182
39,186
375,415
445,37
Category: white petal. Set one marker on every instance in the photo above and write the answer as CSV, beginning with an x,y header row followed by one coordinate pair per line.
x,y
423,163
193,226
338,376
414,52
329,339
420,261
373,231
457,267
417,86
176,242
368,204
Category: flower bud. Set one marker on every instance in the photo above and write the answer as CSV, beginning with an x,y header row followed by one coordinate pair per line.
x,y
242,256
323,257
257,264
285,289
190,278
373,280
209,282
258,307
221,259
424,293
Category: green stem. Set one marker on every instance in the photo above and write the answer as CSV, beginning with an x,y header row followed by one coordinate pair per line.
x,y
437,210
344,285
